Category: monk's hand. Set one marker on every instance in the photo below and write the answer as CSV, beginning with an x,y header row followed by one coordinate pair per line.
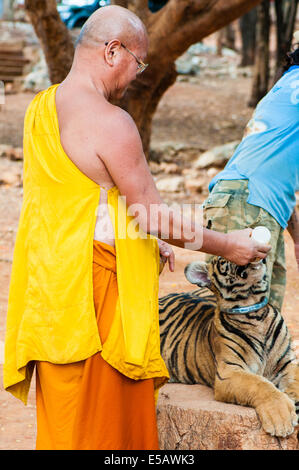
x,y
242,249
166,253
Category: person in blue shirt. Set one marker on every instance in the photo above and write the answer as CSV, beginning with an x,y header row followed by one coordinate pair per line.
x,y
259,183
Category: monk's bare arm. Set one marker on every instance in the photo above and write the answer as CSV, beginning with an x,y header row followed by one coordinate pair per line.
x,y
120,149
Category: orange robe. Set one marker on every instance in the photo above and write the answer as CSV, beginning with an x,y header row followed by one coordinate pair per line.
x,y
89,405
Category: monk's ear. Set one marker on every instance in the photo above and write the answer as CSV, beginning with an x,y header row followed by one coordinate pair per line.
x,y
197,273
110,51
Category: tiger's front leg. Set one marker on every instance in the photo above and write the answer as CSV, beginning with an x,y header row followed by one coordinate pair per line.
x,y
274,408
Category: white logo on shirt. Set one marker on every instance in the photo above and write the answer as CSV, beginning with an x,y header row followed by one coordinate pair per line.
x,y
295,94
254,126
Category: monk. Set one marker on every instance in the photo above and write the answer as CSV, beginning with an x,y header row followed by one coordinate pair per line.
x,y
93,333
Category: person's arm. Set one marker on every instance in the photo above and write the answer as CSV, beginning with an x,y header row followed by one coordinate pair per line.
x,y
293,229
120,149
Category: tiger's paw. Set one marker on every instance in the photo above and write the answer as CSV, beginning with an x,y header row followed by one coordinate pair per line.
x,y
278,416
293,393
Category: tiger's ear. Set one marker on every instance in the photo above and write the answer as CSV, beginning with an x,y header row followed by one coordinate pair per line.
x,y
197,273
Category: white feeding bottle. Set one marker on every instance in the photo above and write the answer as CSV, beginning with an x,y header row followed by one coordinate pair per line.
x,y
261,235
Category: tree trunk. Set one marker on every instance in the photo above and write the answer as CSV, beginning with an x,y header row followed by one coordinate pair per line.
x,y
247,24
286,11
261,67
139,7
121,3
230,36
191,22
134,103
54,37
172,30
226,38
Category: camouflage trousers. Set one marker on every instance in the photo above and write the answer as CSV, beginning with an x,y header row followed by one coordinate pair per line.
x,y
226,209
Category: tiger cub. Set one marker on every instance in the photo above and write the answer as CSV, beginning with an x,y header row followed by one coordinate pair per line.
x,y
246,356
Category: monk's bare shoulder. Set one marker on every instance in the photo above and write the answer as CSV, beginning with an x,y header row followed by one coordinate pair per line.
x,y
119,144
118,133
119,147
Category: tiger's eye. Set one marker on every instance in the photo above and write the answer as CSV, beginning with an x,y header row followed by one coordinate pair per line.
x,y
241,271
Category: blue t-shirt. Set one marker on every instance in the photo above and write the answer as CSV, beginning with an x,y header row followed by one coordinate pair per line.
x,y
268,155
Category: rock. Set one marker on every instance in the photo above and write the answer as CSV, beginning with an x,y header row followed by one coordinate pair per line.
x,y
211,172
10,177
16,153
217,156
33,54
190,172
195,184
171,152
191,62
170,168
170,184
226,51
195,61
201,60
202,48
10,172
155,168
184,66
5,150
189,418
38,79
18,30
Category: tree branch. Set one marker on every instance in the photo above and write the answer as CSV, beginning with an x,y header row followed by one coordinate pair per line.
x,y
181,23
54,37
121,3
139,7
285,24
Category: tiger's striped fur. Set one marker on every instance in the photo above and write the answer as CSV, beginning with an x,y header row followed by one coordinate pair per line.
x,y
247,358
185,328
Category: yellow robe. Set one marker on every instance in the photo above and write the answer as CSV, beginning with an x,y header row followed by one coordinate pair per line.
x,y
89,405
51,315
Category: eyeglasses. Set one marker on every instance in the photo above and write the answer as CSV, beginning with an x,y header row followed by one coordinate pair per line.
x,y
141,65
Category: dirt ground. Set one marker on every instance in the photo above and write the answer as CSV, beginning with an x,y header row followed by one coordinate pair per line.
x,y
206,111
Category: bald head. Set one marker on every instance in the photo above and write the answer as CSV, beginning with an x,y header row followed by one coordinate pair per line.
x,y
112,22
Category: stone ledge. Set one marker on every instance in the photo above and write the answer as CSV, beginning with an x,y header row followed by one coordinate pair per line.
x,y
189,418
